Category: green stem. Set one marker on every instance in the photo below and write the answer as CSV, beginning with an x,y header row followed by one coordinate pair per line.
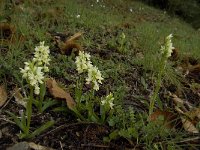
x,y
89,104
40,105
121,45
42,94
78,114
103,113
158,85
29,110
80,87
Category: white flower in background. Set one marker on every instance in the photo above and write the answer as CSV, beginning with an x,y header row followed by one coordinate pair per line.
x,y
41,56
108,101
78,16
167,48
131,10
94,76
97,1
83,62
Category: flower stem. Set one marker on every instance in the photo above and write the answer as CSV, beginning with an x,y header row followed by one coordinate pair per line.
x,y
29,110
103,114
158,85
78,114
42,94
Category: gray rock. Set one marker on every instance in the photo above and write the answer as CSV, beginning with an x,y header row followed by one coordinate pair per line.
x,y
19,146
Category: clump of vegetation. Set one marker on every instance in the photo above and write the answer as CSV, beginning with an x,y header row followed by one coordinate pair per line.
x,y
33,72
189,10
109,84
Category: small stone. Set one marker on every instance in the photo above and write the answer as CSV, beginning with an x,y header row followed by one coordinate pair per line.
x,y
5,130
1,134
19,146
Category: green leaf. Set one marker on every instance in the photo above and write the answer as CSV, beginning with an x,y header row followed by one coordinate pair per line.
x,y
159,102
36,103
114,134
143,82
78,114
41,129
112,121
17,121
23,120
22,135
106,139
42,90
48,103
60,109
124,133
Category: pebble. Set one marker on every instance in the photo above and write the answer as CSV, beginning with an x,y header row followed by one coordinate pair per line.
x,y
19,146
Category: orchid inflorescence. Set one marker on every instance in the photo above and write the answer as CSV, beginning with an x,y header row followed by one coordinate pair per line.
x,y
84,64
34,70
167,48
41,56
108,101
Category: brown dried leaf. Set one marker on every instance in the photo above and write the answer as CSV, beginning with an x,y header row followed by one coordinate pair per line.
x,y
191,115
177,100
175,54
195,113
3,95
58,92
194,72
70,44
18,97
68,47
170,119
74,37
181,103
7,32
189,126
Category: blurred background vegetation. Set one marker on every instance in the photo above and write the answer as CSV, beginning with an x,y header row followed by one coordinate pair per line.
x,y
189,10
